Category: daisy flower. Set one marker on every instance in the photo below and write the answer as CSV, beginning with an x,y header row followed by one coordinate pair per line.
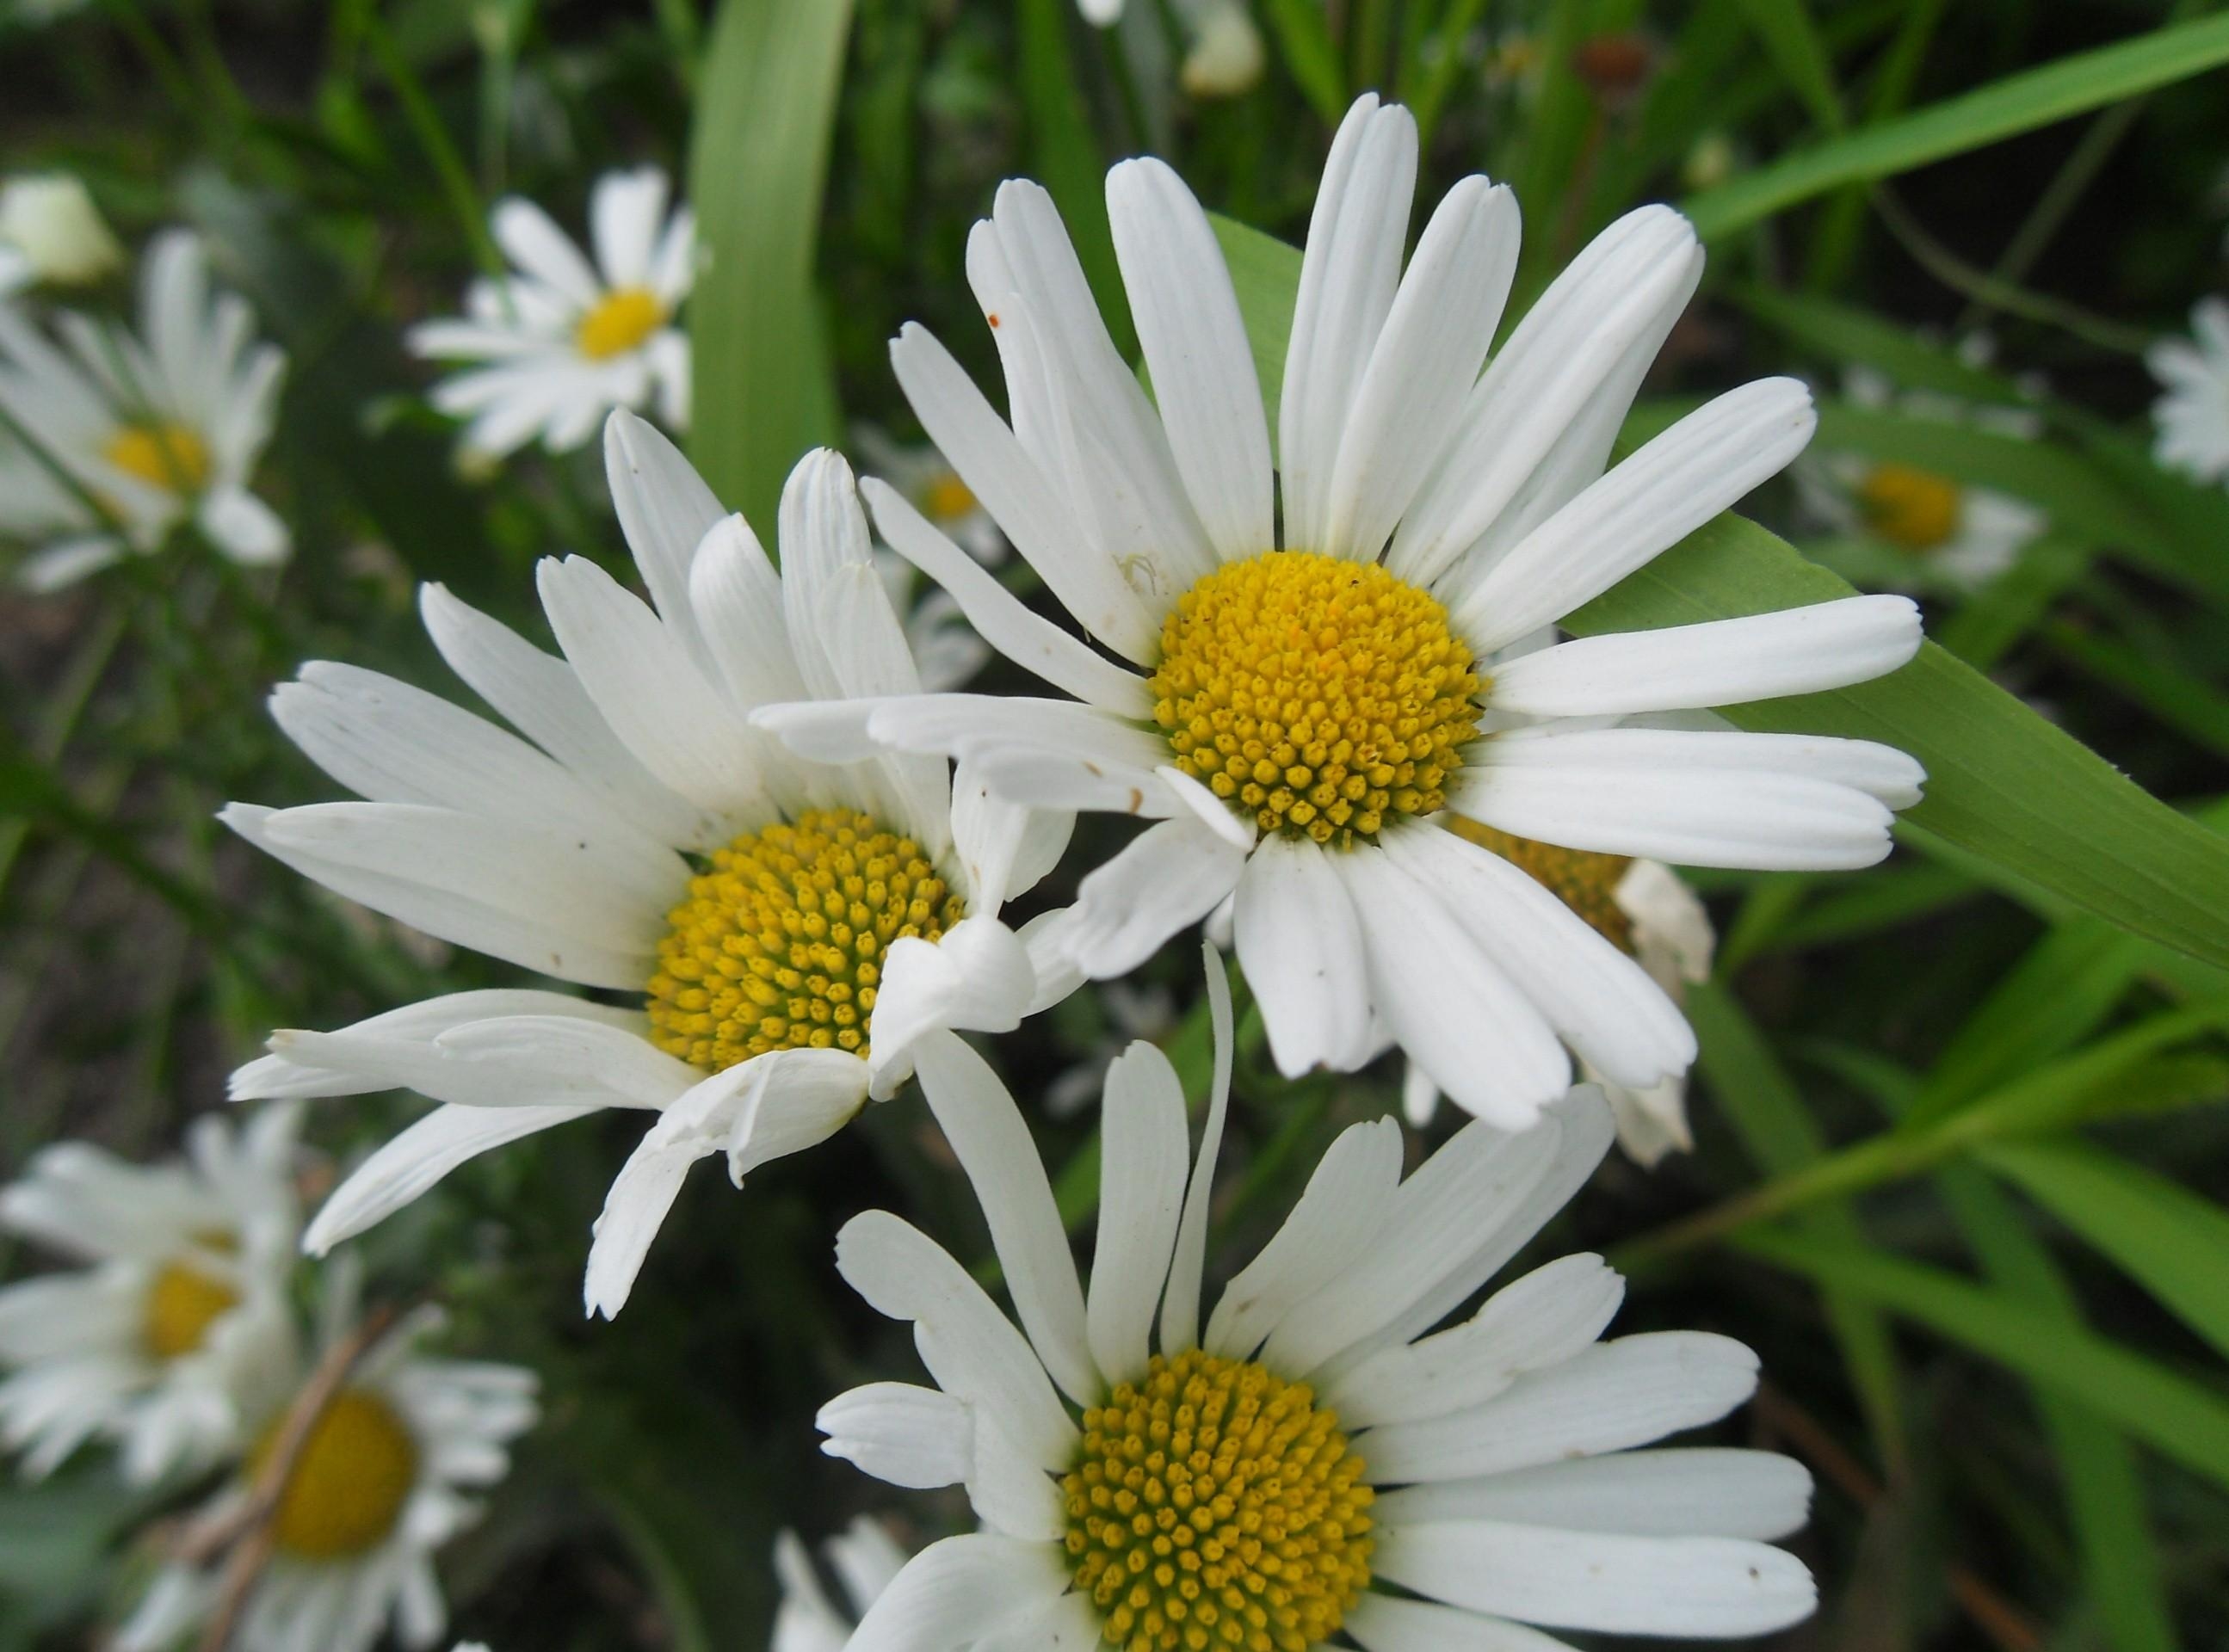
x,y
1251,1484
1946,531
2192,411
1642,908
1305,718
864,1557
784,929
51,230
379,1485
561,343
165,1340
152,431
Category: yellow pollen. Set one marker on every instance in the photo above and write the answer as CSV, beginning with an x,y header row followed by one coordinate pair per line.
x,y
169,457
1912,509
1316,695
182,1304
619,321
948,499
347,1486
1214,1504
780,944
1583,879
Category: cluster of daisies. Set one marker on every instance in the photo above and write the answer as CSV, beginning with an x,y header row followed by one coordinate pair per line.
x,y
763,865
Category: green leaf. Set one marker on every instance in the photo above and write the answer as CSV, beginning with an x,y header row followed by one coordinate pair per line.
x,y
2018,102
2003,783
765,386
1066,157
2167,1238
2184,1422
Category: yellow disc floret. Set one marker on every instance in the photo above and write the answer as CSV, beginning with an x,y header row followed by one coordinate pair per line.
x,y
169,457
1586,882
182,1304
619,321
348,1483
780,944
1216,1504
1912,508
946,498
1315,694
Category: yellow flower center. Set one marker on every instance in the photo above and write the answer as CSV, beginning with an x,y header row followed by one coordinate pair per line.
x,y
1316,695
1912,508
347,1486
1214,1504
182,1304
619,321
1584,881
948,499
780,944
169,457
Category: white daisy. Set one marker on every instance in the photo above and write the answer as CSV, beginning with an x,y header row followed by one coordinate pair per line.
x,y
788,928
864,1559
51,231
1226,55
562,342
1250,1485
1948,532
165,1340
379,1485
1298,719
152,430
2192,412
1643,909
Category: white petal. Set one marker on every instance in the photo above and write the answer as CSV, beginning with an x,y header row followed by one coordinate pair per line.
x,y
1449,1005
694,1127
1697,1491
567,1057
1168,877
1694,1586
244,528
418,1158
1719,663
1300,942
737,596
1237,830
1395,1623
792,1101
1348,276
1003,848
665,510
976,977
625,211
1180,1306
899,1431
994,1147
953,1593
288,1072
1679,481
1145,1152
544,251
1195,345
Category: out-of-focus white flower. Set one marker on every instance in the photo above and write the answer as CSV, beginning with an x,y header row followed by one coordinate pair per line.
x,y
150,429
929,483
377,1487
51,231
166,1340
1226,57
865,1557
2192,413
562,342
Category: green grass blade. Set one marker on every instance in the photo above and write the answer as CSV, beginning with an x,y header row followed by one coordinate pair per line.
x,y
1304,40
2017,103
1066,158
765,386
1792,40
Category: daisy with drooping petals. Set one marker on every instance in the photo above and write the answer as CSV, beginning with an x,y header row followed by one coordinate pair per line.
x,y
790,928
1251,1484
379,1484
150,431
2192,414
864,1559
1644,910
562,342
1303,717
167,1340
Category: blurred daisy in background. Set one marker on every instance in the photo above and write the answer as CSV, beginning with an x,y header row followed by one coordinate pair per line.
x,y
1150,1482
862,1558
2192,414
563,342
1941,532
786,928
142,434
51,233
934,487
1303,723
379,1484
167,1340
